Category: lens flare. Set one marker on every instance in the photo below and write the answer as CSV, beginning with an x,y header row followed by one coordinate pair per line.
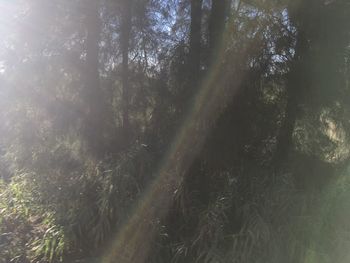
x,y
133,242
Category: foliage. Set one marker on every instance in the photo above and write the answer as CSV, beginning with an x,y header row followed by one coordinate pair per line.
x,y
29,233
170,131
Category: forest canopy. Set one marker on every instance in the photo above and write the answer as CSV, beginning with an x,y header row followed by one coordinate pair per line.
x,y
151,131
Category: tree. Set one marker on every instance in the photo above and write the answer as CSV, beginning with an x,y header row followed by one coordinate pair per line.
x,y
174,131
125,31
95,119
218,15
195,40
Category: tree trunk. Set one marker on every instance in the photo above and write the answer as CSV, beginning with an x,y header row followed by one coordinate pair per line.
x,y
297,82
216,27
314,67
195,40
93,94
124,44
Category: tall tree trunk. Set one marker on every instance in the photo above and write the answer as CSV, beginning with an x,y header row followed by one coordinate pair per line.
x,y
198,181
193,66
124,44
320,38
296,81
93,94
195,39
92,40
301,15
216,28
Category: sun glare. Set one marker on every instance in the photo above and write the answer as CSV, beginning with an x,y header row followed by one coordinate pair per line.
x,y
8,15
150,131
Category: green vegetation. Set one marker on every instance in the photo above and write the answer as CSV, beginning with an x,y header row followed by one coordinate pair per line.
x,y
174,131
